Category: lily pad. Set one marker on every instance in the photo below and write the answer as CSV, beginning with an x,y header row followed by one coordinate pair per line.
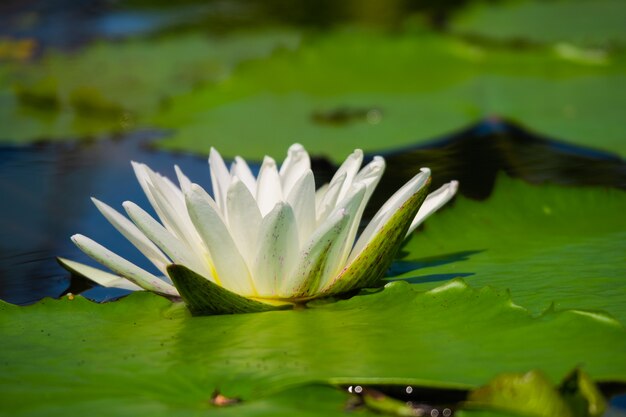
x,y
144,355
547,244
345,90
582,22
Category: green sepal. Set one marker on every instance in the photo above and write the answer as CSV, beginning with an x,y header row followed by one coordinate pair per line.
x,y
582,395
370,265
204,297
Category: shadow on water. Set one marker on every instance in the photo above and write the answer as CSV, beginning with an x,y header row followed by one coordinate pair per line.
x,y
401,267
476,155
47,189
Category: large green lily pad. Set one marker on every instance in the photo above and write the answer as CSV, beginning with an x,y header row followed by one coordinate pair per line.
x,y
354,89
333,92
583,22
142,355
547,244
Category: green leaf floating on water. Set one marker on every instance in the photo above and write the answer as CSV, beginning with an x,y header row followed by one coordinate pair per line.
x,y
582,22
144,355
332,92
343,90
547,244
532,394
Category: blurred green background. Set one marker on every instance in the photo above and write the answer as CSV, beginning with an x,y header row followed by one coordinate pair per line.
x,y
251,77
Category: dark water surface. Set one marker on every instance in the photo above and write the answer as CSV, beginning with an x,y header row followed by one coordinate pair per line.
x,y
45,190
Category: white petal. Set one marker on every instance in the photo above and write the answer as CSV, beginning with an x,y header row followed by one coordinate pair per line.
x,y
220,178
302,200
370,175
350,167
173,214
388,209
434,202
316,257
328,202
99,276
160,195
277,250
121,266
141,172
171,202
240,169
351,205
244,219
232,271
269,189
134,235
295,166
184,182
177,250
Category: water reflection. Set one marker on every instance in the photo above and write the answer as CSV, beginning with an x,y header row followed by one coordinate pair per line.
x,y
46,189
478,154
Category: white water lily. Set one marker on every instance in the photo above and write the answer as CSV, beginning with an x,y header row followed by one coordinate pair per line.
x,y
260,241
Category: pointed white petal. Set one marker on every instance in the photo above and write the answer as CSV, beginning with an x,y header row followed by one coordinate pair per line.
x,y
184,182
371,262
134,235
388,209
173,212
241,170
302,200
351,206
370,175
141,172
244,219
315,261
328,202
269,189
434,202
121,266
350,167
295,166
163,195
178,251
232,271
277,250
170,190
98,276
220,178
